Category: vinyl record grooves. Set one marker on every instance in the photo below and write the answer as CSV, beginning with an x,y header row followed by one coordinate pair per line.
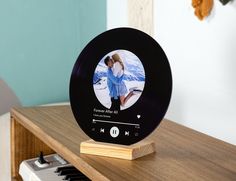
x,y
120,86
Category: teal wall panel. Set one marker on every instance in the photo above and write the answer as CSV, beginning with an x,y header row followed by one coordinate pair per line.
x,y
40,42
95,21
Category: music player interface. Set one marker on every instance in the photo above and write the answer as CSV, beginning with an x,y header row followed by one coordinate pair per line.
x,y
118,83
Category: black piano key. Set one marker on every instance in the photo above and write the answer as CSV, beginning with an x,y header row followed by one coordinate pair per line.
x,y
78,179
64,168
69,171
67,177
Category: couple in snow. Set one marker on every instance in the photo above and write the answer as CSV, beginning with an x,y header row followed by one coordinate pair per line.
x,y
115,82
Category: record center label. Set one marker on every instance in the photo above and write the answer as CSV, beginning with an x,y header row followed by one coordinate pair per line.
x,y
118,80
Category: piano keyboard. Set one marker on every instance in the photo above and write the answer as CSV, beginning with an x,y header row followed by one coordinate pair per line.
x,y
57,169
70,173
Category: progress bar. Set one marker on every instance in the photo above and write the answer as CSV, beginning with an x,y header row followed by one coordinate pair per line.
x,y
113,122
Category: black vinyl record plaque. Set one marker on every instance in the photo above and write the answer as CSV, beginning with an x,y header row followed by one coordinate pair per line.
x,y
120,86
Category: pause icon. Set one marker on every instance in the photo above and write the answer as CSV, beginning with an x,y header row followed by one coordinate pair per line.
x,y
114,132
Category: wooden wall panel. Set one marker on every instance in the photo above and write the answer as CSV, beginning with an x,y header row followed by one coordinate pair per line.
x,y
140,15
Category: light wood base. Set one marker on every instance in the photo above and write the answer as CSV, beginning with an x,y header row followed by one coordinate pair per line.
x,y
130,152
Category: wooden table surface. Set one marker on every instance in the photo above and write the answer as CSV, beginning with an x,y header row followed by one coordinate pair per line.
x,y
181,153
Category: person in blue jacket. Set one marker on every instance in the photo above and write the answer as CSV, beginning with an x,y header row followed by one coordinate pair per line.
x,y
112,81
116,86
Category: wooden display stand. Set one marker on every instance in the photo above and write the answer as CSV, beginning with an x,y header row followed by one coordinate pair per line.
x,y
130,152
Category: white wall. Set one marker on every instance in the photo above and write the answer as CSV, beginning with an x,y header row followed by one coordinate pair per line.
x,y
5,164
117,13
203,60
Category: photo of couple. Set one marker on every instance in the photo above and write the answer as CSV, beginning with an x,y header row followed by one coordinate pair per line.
x,y
119,80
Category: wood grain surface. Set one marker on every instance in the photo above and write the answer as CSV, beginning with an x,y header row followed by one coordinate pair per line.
x,y
24,145
181,153
140,15
129,152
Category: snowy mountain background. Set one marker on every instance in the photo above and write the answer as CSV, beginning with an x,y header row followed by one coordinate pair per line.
x,y
134,77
